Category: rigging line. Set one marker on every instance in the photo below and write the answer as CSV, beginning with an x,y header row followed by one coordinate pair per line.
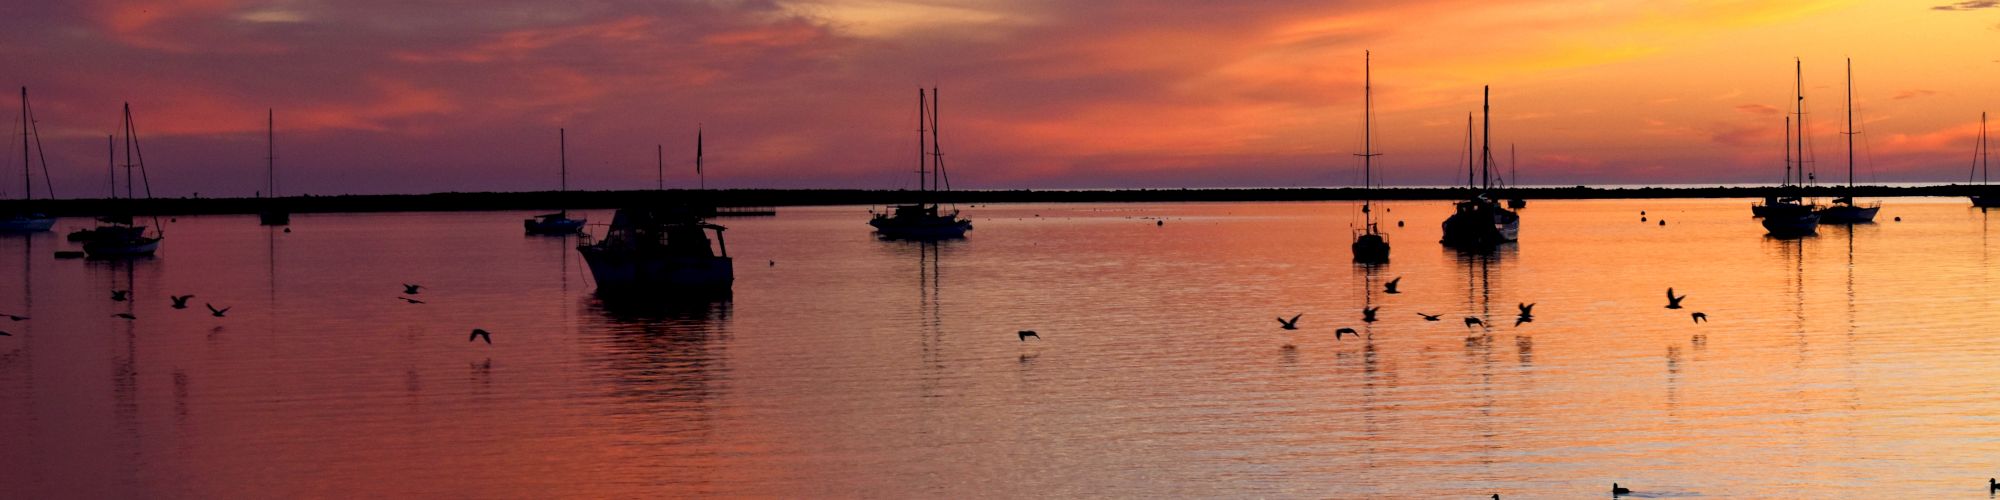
x,y
133,134
34,126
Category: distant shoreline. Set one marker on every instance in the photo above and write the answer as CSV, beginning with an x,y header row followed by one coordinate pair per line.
x,y
550,200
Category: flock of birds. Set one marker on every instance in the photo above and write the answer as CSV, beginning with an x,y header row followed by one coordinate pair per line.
x,y
181,302
1368,315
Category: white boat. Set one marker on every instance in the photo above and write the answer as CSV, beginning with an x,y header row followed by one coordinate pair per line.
x,y
1370,246
1480,223
1844,210
28,221
924,219
557,223
659,251
117,237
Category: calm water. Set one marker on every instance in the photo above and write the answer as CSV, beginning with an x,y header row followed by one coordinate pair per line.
x,y
1860,363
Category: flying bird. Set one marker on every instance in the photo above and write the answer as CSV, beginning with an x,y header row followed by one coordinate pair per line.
x,y
1390,287
1526,309
409,289
180,301
5,334
1431,317
478,334
119,295
212,310
1291,324
124,316
410,300
1525,318
11,317
1344,331
1699,317
1672,301
1024,334
1474,320
1368,313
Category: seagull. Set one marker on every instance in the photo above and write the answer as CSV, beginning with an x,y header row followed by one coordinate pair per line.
x,y
5,334
1617,490
1292,324
1474,320
14,318
1700,317
119,295
1672,301
1525,318
1992,485
212,310
1526,309
1390,287
1431,317
409,289
124,316
1024,334
774,264
480,334
180,301
1368,314
410,300
1345,331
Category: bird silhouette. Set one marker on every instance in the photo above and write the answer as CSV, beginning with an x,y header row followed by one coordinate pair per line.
x,y
180,301
124,316
1496,496
478,334
1390,287
1672,301
774,264
1525,318
1291,324
410,300
1431,317
1526,309
1474,320
1992,484
1699,317
409,289
212,310
1619,490
119,295
1368,313
5,334
1024,334
11,317
1337,333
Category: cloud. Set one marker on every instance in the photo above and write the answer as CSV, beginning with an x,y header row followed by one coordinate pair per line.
x,y
1969,5
1914,93
1759,109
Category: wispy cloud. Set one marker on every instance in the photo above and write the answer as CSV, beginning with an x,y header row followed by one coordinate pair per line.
x,y
1969,5
1914,93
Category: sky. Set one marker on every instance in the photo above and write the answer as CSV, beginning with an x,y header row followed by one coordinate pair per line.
x,y
396,96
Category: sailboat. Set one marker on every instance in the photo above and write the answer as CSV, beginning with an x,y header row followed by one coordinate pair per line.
x,y
1979,164
1370,245
557,223
117,236
28,221
1480,223
1844,210
1515,202
1789,215
923,219
273,213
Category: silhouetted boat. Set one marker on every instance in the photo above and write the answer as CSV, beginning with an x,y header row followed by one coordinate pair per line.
x,y
1515,202
273,214
1979,165
1844,210
659,251
117,236
557,223
923,219
28,221
1370,245
1790,215
1480,223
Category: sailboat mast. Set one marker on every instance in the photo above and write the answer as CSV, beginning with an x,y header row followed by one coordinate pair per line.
x,y
1850,127
660,166
27,179
562,158
128,151
1367,121
1486,139
937,150
1788,154
700,176
271,152
111,163
1468,150
1799,103
923,119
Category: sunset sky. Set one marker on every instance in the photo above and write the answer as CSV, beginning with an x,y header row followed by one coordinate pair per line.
x,y
391,96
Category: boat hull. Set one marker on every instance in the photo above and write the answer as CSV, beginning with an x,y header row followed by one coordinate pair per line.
x,y
1371,249
1848,214
121,248
619,272
1481,225
553,226
1791,226
26,224
274,218
937,228
1986,201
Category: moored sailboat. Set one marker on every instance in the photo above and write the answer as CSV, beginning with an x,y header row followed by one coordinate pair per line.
x,y
557,223
27,220
1480,223
1844,210
117,236
1789,215
1985,199
1370,245
924,219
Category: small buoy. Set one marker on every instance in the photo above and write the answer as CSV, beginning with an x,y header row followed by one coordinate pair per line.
x,y
288,230
1899,219
1399,223
1663,222
1642,212
1642,218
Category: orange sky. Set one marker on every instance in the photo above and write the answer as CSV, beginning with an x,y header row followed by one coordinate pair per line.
x,y
381,96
